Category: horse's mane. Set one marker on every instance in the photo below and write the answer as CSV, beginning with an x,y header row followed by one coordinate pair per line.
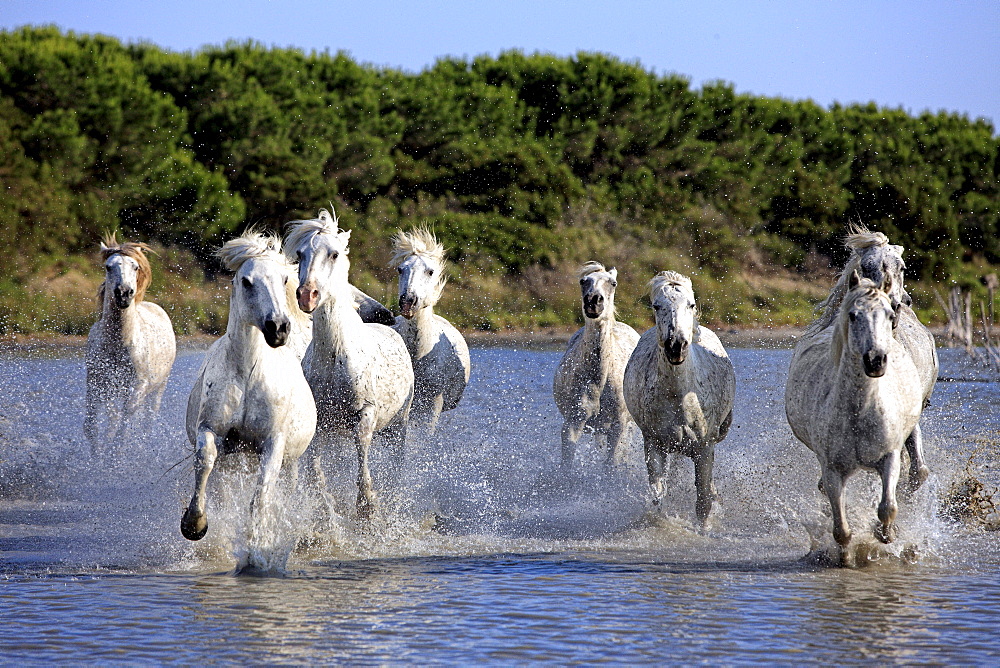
x,y
859,238
665,279
251,244
420,241
864,289
591,267
297,231
135,250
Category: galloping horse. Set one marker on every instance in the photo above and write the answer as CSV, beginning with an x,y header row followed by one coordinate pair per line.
x,y
251,393
360,373
679,388
438,351
853,396
588,383
131,348
874,258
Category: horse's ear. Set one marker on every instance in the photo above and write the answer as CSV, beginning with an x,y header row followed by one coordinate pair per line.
x,y
344,236
853,280
886,286
614,274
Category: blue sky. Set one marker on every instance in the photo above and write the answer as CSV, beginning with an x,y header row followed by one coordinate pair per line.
x,y
916,55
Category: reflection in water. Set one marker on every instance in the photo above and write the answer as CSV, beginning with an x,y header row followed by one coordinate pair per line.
x,y
483,552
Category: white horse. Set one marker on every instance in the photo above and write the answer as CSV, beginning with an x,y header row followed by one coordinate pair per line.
x,y
679,388
131,349
251,393
588,383
438,351
853,396
360,373
874,258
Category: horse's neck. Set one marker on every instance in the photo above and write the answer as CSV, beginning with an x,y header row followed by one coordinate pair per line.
x,y
420,332
246,343
598,341
120,324
336,328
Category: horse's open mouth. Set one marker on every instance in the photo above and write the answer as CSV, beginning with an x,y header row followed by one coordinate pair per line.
x,y
406,307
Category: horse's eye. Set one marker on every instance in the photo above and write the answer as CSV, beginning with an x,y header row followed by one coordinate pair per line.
x,y
430,272
656,307
690,304
583,281
853,317
399,270
614,284
298,255
334,255
285,281
247,285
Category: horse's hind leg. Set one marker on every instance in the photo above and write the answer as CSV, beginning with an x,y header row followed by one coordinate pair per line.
x,y
889,470
704,486
918,467
194,524
90,421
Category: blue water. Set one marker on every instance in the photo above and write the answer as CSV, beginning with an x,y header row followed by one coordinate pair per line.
x,y
484,551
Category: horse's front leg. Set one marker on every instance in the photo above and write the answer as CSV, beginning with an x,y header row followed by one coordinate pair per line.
x,y
572,430
365,430
704,461
194,524
655,466
272,455
918,467
90,420
888,468
833,485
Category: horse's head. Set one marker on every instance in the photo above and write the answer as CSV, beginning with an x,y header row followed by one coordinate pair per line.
x,y
420,260
320,249
877,259
865,324
597,290
259,287
676,314
127,271
121,274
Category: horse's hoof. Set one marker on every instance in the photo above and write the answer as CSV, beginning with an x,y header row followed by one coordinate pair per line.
x,y
194,525
886,533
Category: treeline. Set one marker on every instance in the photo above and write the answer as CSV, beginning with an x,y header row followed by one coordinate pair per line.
x,y
521,164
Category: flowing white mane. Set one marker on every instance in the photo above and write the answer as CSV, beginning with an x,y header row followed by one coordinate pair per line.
x,y
420,241
251,244
298,231
590,268
666,279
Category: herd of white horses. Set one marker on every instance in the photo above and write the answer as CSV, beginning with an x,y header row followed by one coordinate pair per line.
x,y
309,362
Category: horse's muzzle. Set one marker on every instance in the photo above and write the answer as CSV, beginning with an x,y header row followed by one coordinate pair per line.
x,y
407,305
276,331
307,297
875,364
593,306
676,351
123,297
